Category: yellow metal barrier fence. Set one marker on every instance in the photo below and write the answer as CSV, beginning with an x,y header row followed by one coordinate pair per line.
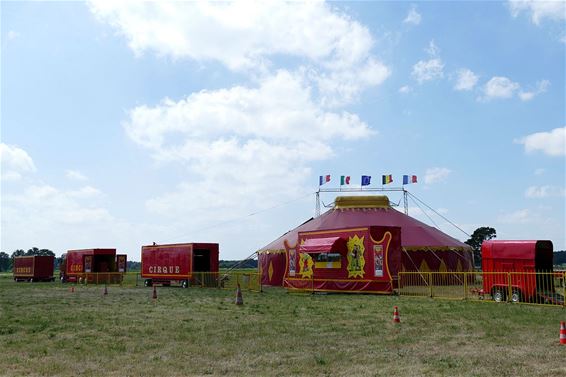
x,y
250,281
100,278
541,288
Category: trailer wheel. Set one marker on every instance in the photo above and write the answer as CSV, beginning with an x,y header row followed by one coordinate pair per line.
x,y
516,296
498,295
147,283
185,284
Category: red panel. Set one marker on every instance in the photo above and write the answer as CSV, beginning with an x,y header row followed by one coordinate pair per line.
x,y
274,262
509,249
44,266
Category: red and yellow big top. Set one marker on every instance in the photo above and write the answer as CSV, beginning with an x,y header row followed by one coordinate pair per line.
x,y
360,245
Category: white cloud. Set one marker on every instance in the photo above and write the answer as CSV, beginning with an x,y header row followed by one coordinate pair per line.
x,y
522,216
467,80
12,34
435,175
500,87
56,206
339,88
549,9
85,192
427,70
432,49
15,161
539,192
551,143
405,89
75,175
238,34
541,87
247,37
413,17
241,143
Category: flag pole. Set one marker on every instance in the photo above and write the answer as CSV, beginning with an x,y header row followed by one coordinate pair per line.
x,y
317,209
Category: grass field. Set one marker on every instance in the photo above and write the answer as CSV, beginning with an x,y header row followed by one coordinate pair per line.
x,y
47,330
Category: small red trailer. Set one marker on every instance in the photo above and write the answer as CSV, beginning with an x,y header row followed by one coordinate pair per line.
x,y
34,268
179,263
95,265
521,270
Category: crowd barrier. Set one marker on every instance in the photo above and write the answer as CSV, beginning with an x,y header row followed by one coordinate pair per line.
x,y
540,288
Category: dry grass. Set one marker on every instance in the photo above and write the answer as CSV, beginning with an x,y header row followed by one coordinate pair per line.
x,y
47,330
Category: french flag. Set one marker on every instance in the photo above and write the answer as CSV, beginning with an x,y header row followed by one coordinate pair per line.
x,y
409,179
323,179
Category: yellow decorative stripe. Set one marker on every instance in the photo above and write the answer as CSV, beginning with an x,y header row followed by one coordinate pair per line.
x,y
373,201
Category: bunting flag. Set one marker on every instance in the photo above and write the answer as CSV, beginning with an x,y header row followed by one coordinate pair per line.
x,y
323,179
409,179
386,179
344,180
366,179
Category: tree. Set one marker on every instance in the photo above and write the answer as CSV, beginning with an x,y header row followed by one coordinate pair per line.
x,y
5,262
36,251
18,253
481,234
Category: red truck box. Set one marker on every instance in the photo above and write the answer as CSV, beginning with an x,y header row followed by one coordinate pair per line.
x,y
179,263
96,265
521,269
34,268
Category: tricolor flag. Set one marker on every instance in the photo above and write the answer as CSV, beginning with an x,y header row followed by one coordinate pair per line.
x,y
409,179
386,179
344,180
366,179
323,179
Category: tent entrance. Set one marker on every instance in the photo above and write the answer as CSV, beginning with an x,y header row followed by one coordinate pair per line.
x,y
201,260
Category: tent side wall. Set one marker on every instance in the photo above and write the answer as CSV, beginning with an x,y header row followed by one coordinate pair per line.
x,y
272,265
437,260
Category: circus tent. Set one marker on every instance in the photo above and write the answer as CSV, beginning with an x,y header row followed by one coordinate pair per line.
x,y
415,246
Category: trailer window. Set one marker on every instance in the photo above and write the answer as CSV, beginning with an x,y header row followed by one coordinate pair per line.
x,y
328,260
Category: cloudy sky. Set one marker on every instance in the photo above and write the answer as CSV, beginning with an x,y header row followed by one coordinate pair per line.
x,y
128,123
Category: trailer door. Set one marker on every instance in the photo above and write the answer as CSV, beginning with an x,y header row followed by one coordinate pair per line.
x,y
201,260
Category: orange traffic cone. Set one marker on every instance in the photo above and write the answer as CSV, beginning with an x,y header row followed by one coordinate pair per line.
x,y
562,332
154,296
105,291
239,298
396,317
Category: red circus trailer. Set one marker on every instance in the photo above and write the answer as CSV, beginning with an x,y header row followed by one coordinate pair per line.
x,y
180,263
34,268
95,265
521,269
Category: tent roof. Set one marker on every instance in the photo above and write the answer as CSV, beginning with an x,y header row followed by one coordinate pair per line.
x,y
414,234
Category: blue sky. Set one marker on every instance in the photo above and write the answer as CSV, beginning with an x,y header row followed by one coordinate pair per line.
x,y
128,123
